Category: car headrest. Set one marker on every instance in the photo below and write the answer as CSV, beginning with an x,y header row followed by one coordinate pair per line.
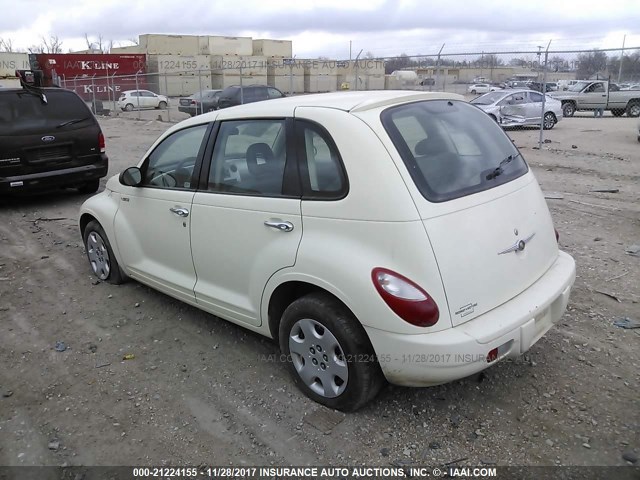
x,y
432,145
259,159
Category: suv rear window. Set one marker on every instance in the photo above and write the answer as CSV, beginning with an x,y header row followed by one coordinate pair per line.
x,y
25,113
451,148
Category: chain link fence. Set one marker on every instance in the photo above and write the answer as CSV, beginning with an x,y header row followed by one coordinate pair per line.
x,y
509,85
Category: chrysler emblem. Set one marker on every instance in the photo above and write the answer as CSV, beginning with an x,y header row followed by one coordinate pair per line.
x,y
519,246
48,138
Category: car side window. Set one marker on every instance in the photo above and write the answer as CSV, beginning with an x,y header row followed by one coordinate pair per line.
x,y
535,97
321,169
171,163
249,157
273,93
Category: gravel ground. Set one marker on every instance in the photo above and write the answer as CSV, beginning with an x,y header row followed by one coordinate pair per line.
x,y
199,390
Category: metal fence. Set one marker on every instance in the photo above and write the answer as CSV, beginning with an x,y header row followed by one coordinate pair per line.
x,y
596,83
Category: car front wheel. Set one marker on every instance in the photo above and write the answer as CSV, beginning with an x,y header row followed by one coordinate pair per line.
x,y
162,105
128,107
568,109
101,258
328,353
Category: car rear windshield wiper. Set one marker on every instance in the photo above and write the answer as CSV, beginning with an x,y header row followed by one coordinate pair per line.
x,y
71,122
496,172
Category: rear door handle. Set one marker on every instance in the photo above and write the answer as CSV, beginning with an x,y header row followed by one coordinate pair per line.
x,y
279,225
181,212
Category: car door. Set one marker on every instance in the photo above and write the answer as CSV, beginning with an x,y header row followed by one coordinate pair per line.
x,y
534,108
246,217
153,220
149,99
594,96
513,109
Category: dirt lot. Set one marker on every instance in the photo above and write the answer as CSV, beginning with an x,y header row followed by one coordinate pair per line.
x,y
198,390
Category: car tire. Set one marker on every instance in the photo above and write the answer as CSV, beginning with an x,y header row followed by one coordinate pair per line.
x,y
548,121
633,109
128,107
162,105
91,186
568,109
100,254
473,92
617,112
343,373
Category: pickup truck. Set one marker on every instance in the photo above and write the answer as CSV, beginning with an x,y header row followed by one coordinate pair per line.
x,y
592,94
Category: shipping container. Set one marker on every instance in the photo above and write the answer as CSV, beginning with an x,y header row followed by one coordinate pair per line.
x,y
288,78
224,80
102,76
228,46
239,64
154,44
179,85
320,83
364,66
273,48
375,82
128,49
319,67
10,62
179,64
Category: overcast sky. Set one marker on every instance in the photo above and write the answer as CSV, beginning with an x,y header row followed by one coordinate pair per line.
x,y
325,28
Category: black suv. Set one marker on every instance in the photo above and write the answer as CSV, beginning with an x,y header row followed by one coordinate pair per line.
x,y
231,96
48,138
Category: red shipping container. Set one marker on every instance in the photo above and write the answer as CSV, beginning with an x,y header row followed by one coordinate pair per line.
x,y
102,76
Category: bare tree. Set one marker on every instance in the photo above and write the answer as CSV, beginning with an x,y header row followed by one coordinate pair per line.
x,y
100,45
51,45
6,45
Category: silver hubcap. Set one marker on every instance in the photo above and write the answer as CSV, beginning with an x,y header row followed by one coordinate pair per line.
x,y
635,110
318,358
548,121
98,256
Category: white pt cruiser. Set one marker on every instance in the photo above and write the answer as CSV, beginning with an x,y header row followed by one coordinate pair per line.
x,y
376,236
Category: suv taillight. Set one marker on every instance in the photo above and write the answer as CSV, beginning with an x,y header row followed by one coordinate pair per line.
x,y
101,143
409,301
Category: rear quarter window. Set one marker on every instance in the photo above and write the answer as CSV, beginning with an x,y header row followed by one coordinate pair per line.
x,y
451,148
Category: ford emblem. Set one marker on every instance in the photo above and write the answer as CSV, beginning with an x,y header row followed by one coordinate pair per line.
x,y
48,138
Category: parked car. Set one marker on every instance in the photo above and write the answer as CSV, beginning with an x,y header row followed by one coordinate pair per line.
x,y
460,270
520,107
237,95
139,99
517,84
200,102
633,86
537,86
481,88
48,139
592,94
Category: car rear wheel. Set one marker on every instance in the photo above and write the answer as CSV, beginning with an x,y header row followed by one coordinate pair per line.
x,y
549,121
633,110
473,92
568,109
101,258
328,353
162,105
128,107
90,187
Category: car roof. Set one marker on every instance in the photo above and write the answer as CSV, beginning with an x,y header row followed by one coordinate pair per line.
x,y
351,101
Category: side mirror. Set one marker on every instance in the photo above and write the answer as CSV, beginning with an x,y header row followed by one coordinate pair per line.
x,y
131,177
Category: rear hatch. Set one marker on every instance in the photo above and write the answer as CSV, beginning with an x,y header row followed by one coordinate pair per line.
x,y
37,136
485,216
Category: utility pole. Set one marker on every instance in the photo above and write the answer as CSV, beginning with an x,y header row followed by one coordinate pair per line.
x,y
621,57
544,94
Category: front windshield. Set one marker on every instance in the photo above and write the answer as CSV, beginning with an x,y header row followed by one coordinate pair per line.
x,y
577,87
488,98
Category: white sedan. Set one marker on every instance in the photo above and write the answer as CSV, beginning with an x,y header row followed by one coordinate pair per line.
x,y
482,88
138,99
377,236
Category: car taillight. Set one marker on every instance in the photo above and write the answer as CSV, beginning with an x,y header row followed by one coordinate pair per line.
x,y
101,143
193,102
557,235
405,298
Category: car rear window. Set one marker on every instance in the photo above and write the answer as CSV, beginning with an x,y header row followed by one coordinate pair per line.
x,y
451,148
24,113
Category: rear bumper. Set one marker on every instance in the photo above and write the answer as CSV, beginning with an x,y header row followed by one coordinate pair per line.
x,y
55,178
512,328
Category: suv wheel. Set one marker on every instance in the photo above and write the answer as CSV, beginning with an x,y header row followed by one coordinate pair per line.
x,y
633,109
328,352
568,109
90,187
101,258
